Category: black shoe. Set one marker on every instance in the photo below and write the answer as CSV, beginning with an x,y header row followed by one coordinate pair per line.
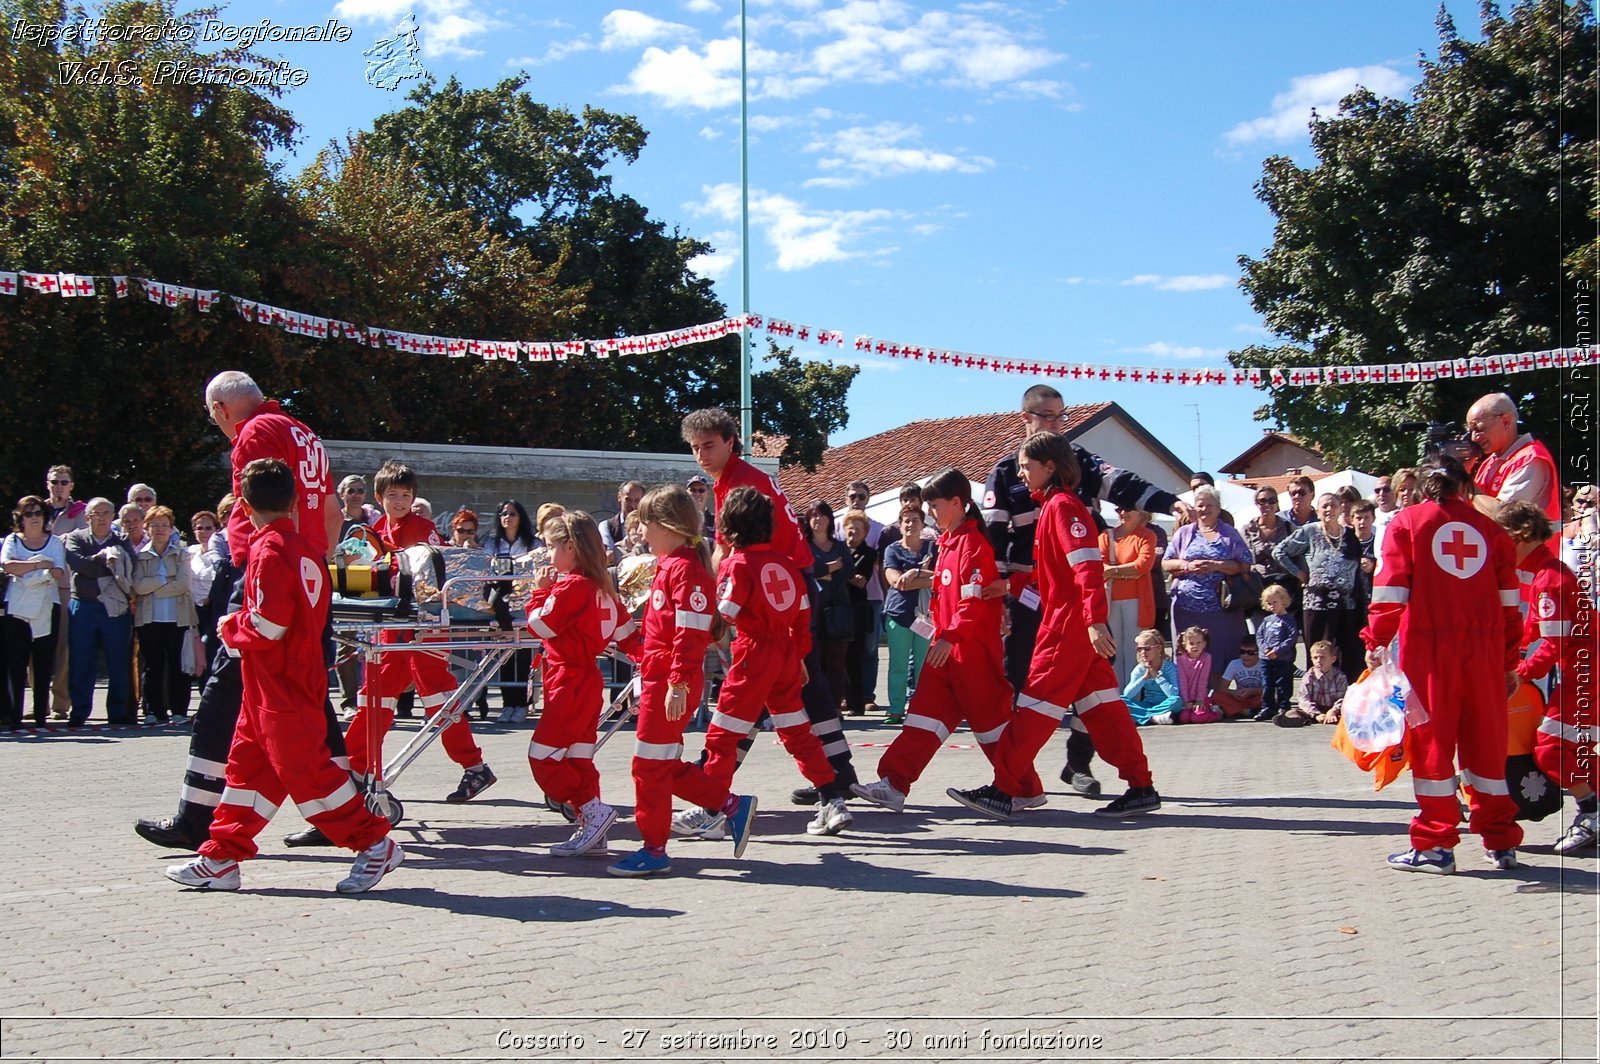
x,y
311,836
474,782
1134,802
1082,783
1265,716
167,833
988,800
803,796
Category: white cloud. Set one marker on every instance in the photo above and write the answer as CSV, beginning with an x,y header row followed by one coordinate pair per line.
x,y
701,7
444,25
623,28
1162,349
1187,282
684,77
802,236
927,228
886,150
1291,110
707,133
713,265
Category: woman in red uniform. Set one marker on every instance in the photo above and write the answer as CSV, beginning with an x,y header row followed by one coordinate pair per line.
x,y
575,611
1070,672
677,628
963,674
1448,587
1560,618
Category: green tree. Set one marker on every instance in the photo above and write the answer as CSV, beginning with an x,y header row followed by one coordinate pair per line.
x,y
1434,229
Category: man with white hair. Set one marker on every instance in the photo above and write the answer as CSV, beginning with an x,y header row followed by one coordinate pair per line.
x,y
1515,467
258,428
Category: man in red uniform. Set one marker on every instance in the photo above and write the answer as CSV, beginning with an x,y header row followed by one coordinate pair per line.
x,y
259,429
277,747
399,528
714,438
1448,587
1514,468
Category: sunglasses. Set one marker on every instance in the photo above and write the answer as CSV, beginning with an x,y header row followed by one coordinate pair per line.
x,y
1266,502
61,482
141,499
1299,492
1583,502
33,513
471,530
1384,489
697,490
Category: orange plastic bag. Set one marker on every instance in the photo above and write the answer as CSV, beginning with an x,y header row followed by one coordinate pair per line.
x,y
1385,766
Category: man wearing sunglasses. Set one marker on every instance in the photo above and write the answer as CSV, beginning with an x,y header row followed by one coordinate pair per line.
x,y
62,514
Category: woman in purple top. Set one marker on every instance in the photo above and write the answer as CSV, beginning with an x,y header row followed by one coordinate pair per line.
x,y
1198,558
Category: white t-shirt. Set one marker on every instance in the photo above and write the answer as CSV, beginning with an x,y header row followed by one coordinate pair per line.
x,y
15,550
1245,677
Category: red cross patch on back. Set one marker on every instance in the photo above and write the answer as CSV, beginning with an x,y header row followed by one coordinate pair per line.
x,y
1459,549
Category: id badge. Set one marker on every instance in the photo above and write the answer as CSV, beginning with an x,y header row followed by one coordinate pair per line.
x,y
923,627
1029,597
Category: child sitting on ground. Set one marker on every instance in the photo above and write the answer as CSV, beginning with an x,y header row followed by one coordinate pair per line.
x,y
1194,677
1277,637
1245,683
1152,691
1321,690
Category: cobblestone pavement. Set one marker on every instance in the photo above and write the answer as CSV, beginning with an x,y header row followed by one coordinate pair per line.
x,y
1251,918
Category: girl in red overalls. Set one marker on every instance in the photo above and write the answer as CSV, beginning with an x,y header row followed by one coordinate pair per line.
x,y
575,610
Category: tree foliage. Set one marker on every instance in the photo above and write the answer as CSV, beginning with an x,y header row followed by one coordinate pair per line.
x,y
1449,226
478,213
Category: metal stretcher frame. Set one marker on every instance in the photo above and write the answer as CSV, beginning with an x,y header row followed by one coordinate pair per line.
x,y
443,639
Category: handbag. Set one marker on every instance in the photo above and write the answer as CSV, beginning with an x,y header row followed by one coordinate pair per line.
x,y
1241,591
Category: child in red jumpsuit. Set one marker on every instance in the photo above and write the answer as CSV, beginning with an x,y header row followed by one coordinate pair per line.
x,y
963,674
1448,587
399,528
1560,618
280,744
1070,672
764,596
678,623
575,610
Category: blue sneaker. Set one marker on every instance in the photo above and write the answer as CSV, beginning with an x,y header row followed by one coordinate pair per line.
x,y
1436,861
642,863
741,823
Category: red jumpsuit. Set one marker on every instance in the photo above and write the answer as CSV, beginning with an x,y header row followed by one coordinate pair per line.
x,y
576,620
677,629
764,596
1448,586
972,682
1561,618
1066,674
396,670
270,433
280,743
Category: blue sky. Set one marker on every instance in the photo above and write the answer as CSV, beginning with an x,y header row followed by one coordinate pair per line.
x,y
1060,180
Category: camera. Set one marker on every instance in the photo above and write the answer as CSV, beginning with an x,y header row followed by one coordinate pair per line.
x,y
1443,437
500,566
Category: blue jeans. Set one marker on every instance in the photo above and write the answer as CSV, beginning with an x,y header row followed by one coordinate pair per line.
x,y
89,627
906,648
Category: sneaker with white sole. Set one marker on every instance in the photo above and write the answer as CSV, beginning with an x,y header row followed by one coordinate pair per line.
x,y
372,864
1582,835
988,800
881,793
594,820
203,873
474,781
698,823
640,864
1436,861
1501,860
1029,802
741,822
1135,801
831,819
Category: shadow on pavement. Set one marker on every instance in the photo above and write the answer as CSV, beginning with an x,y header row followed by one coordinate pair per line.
x,y
532,908
838,871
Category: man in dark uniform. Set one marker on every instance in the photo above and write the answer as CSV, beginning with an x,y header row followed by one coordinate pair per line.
x,y
1009,512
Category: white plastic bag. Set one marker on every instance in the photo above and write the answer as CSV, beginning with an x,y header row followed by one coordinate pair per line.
x,y
1376,709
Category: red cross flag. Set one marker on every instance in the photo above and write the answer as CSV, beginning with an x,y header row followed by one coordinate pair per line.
x,y
68,283
120,282
8,284
41,282
203,298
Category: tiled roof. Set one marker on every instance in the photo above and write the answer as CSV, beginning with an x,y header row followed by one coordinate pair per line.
x,y
972,444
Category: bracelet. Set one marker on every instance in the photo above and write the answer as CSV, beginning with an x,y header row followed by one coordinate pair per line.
x,y
678,687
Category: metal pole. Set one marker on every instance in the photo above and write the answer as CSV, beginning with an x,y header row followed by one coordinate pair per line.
x,y
746,396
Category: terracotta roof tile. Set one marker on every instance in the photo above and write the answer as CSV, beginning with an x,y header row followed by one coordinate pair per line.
x,y
973,444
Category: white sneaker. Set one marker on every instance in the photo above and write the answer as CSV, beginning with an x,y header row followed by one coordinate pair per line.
x,y
1028,803
594,820
1164,718
372,864
700,823
831,819
1581,835
203,873
880,793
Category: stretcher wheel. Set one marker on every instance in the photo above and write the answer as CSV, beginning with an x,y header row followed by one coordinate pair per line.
x,y
397,811
561,807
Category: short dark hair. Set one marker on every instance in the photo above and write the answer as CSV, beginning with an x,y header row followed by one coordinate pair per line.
x,y
1203,476
746,517
910,490
820,506
268,486
1037,392
393,475
711,419
860,485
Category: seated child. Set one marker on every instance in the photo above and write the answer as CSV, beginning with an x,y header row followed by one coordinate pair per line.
x,y
1246,681
1321,690
1194,677
1152,691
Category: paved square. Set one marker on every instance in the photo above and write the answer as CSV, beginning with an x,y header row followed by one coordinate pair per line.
x,y
1251,918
